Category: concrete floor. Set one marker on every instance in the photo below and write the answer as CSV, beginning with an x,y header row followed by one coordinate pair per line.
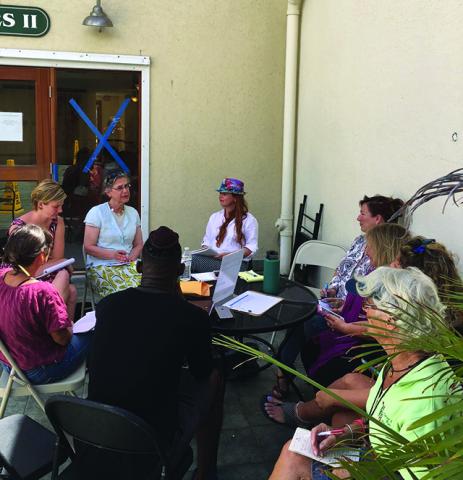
x,y
249,443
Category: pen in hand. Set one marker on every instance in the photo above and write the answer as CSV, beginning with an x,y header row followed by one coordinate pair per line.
x,y
335,432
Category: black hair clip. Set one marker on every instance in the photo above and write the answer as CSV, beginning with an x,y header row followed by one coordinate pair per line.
x,y
421,248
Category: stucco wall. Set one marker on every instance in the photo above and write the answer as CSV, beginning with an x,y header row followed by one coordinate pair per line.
x,y
216,96
381,94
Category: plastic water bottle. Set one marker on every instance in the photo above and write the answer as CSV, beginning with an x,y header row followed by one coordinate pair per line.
x,y
186,260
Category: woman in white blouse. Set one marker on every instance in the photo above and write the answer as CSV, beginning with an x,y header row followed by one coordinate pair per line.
x,y
113,239
230,229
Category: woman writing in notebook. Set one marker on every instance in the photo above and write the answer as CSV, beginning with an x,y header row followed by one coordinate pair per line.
x,y
230,229
34,323
47,199
398,303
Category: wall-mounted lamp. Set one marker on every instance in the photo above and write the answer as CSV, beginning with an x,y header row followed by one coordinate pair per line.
x,y
97,18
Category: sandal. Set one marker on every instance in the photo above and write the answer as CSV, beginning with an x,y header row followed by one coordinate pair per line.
x,y
290,417
280,390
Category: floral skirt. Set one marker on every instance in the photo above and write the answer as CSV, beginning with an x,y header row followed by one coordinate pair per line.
x,y
107,279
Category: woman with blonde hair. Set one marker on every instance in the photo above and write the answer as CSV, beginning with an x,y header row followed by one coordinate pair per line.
x,y
329,355
47,200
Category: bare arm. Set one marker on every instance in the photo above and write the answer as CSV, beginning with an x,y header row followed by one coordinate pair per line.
x,y
57,252
137,245
338,323
356,396
90,244
62,337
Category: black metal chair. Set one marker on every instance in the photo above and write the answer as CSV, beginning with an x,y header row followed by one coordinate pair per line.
x,y
104,441
26,448
303,232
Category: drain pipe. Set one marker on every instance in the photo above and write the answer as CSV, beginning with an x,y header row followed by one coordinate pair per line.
x,y
285,223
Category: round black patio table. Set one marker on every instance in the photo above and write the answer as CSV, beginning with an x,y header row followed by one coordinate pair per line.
x,y
298,305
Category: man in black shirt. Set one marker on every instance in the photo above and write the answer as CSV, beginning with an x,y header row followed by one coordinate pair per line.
x,y
143,337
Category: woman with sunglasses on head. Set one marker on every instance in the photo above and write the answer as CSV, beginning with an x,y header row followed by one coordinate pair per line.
x,y
230,229
374,211
331,354
434,260
34,324
113,238
47,199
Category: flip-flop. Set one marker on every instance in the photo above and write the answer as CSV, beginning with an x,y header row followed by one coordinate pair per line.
x,y
277,391
289,413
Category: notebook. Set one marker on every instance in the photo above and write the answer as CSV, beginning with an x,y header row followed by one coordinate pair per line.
x,y
301,444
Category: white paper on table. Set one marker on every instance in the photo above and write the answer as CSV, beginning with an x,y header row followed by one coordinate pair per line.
x,y
301,444
85,324
253,303
11,127
204,276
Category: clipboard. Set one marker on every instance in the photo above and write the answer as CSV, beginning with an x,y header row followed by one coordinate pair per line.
x,y
252,303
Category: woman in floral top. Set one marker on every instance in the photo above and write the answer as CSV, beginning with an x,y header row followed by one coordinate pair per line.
x,y
373,211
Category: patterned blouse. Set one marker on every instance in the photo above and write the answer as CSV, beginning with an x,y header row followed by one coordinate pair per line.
x,y
52,228
355,262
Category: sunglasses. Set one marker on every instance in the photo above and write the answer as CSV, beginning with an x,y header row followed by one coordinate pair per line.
x,y
119,188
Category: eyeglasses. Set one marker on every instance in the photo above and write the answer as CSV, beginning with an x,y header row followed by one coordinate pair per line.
x,y
119,188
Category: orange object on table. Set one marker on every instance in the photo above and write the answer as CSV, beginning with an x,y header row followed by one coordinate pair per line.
x,y
193,287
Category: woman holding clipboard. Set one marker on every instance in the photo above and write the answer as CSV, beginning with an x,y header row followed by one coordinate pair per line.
x,y
34,323
47,199
228,230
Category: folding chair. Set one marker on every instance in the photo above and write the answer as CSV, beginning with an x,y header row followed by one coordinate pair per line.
x,y
16,383
318,254
303,233
26,448
104,441
88,285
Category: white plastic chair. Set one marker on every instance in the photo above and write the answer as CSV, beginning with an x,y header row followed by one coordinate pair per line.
x,y
88,285
319,254
16,384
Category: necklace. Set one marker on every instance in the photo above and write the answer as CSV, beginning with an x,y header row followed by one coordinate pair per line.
x,y
118,213
392,370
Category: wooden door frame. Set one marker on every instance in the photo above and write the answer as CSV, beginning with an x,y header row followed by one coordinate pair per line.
x,y
101,61
45,148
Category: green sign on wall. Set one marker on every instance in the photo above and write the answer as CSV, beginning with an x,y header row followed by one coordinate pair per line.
x,y
23,21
